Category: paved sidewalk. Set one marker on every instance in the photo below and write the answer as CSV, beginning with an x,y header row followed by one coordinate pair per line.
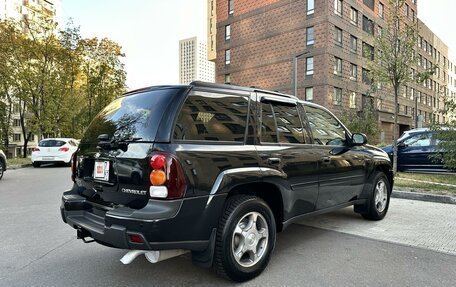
x,y
409,222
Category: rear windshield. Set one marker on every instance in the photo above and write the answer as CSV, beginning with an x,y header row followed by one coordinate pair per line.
x,y
51,143
132,117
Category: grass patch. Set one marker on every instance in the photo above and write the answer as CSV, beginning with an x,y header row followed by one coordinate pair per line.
x,y
429,187
17,161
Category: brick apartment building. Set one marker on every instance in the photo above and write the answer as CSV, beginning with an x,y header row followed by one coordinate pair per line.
x,y
253,43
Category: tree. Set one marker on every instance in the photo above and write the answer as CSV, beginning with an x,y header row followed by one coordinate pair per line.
x,y
57,80
103,75
395,49
446,136
364,121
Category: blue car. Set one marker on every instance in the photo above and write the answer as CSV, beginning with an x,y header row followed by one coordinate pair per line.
x,y
415,149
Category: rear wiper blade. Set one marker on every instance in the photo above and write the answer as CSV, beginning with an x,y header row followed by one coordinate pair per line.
x,y
107,143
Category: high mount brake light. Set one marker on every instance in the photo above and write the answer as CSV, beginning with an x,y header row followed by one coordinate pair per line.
x,y
167,177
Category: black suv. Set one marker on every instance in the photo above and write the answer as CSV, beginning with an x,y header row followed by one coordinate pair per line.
x,y
217,170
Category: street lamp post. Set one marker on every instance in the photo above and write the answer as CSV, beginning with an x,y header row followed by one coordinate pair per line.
x,y
295,72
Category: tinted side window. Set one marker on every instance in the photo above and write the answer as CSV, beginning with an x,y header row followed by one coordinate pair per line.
x,y
289,124
268,124
212,117
283,121
325,128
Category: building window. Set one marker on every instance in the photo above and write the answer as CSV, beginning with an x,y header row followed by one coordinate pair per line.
x,y
338,36
17,123
338,7
412,94
337,100
354,44
366,78
368,51
354,72
353,100
413,15
310,7
230,7
354,16
337,66
227,32
369,3
16,137
227,57
368,25
309,66
381,10
309,94
406,10
227,78
310,36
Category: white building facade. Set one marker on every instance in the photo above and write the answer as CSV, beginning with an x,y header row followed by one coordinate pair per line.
x,y
32,9
193,63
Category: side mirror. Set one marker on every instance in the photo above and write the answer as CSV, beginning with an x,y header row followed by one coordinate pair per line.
x,y
359,139
401,145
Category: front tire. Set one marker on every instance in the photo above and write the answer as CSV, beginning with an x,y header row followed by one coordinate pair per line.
x,y
245,238
379,200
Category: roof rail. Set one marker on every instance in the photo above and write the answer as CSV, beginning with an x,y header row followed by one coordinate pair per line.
x,y
236,87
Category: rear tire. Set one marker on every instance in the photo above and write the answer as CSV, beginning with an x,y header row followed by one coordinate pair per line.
x,y
36,164
245,238
378,203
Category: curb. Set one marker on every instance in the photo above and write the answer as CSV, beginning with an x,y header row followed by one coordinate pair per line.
x,y
18,166
424,197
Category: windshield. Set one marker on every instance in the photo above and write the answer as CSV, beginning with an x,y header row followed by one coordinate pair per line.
x,y
131,117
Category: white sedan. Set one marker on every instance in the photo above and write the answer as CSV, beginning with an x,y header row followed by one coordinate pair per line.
x,y
54,150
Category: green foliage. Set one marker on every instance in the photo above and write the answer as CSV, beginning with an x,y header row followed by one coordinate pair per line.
x,y
395,50
446,136
364,121
58,80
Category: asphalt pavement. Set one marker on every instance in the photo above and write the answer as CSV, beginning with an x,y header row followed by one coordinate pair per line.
x,y
337,249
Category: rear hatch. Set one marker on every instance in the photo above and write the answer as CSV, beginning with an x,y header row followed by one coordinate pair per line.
x,y
50,148
112,165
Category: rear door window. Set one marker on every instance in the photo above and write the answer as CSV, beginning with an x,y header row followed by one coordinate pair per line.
x,y
212,117
326,129
281,123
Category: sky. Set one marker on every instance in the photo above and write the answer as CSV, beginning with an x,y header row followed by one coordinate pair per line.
x,y
149,30
439,16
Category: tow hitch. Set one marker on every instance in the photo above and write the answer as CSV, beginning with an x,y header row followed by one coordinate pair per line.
x,y
82,234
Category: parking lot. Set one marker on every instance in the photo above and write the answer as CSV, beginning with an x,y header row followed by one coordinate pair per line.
x,y
414,246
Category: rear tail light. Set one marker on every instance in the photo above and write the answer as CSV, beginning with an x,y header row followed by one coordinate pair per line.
x,y
73,167
167,178
35,149
64,149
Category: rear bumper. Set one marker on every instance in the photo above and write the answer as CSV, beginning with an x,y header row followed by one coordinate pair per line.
x,y
65,158
180,224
